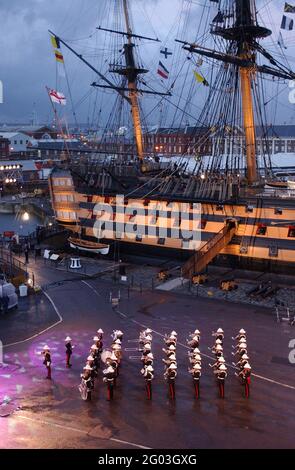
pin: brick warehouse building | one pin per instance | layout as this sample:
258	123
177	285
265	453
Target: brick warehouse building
201	140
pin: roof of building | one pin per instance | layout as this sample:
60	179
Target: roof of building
61	145
10	135
26	127
283	131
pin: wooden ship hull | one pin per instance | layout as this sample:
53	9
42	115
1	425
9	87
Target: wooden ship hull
264	233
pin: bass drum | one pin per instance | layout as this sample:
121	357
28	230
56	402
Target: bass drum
105	355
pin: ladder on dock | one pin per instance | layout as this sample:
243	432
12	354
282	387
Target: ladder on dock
200	260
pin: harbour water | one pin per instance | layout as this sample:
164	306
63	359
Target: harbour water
12	222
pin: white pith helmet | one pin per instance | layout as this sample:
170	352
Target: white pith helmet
148	330
196	351
150	355
218	341
242	340
147	346
68	339
117	341
221	360
172	366
242	331
245	357
149	337
100	331
223	367
219	347
243	345
220	330
173	333
197	367
172	347
87	367
90	358
95	338
46	348
247	366
197	332
94	347
119	332
196	357
196	338
172	357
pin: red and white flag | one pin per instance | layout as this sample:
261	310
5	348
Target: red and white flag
57	97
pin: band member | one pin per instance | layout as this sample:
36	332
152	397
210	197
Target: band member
69	351
47	361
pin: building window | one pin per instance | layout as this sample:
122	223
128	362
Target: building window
291	232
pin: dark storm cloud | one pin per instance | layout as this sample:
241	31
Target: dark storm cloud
27	63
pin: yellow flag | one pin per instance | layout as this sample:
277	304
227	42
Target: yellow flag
200	78
55	42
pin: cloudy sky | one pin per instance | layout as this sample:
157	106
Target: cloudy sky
27	63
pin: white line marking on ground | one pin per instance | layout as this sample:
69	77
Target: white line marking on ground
130	443
80	431
43	331
266	379
92	288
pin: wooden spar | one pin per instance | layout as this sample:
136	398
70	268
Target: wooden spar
132	86
249	124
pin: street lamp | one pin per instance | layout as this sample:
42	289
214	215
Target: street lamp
26	216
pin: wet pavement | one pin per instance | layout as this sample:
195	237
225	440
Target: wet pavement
48	414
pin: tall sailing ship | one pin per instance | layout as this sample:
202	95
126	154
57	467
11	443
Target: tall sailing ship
231	198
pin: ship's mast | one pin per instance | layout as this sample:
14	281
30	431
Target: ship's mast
244	19
243	33
131	74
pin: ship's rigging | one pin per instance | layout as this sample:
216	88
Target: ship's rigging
236	101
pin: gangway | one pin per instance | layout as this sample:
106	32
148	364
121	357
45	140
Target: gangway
200	260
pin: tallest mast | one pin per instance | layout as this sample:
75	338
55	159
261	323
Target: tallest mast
131	73
244	33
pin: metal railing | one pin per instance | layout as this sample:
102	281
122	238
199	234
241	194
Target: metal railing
10	265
